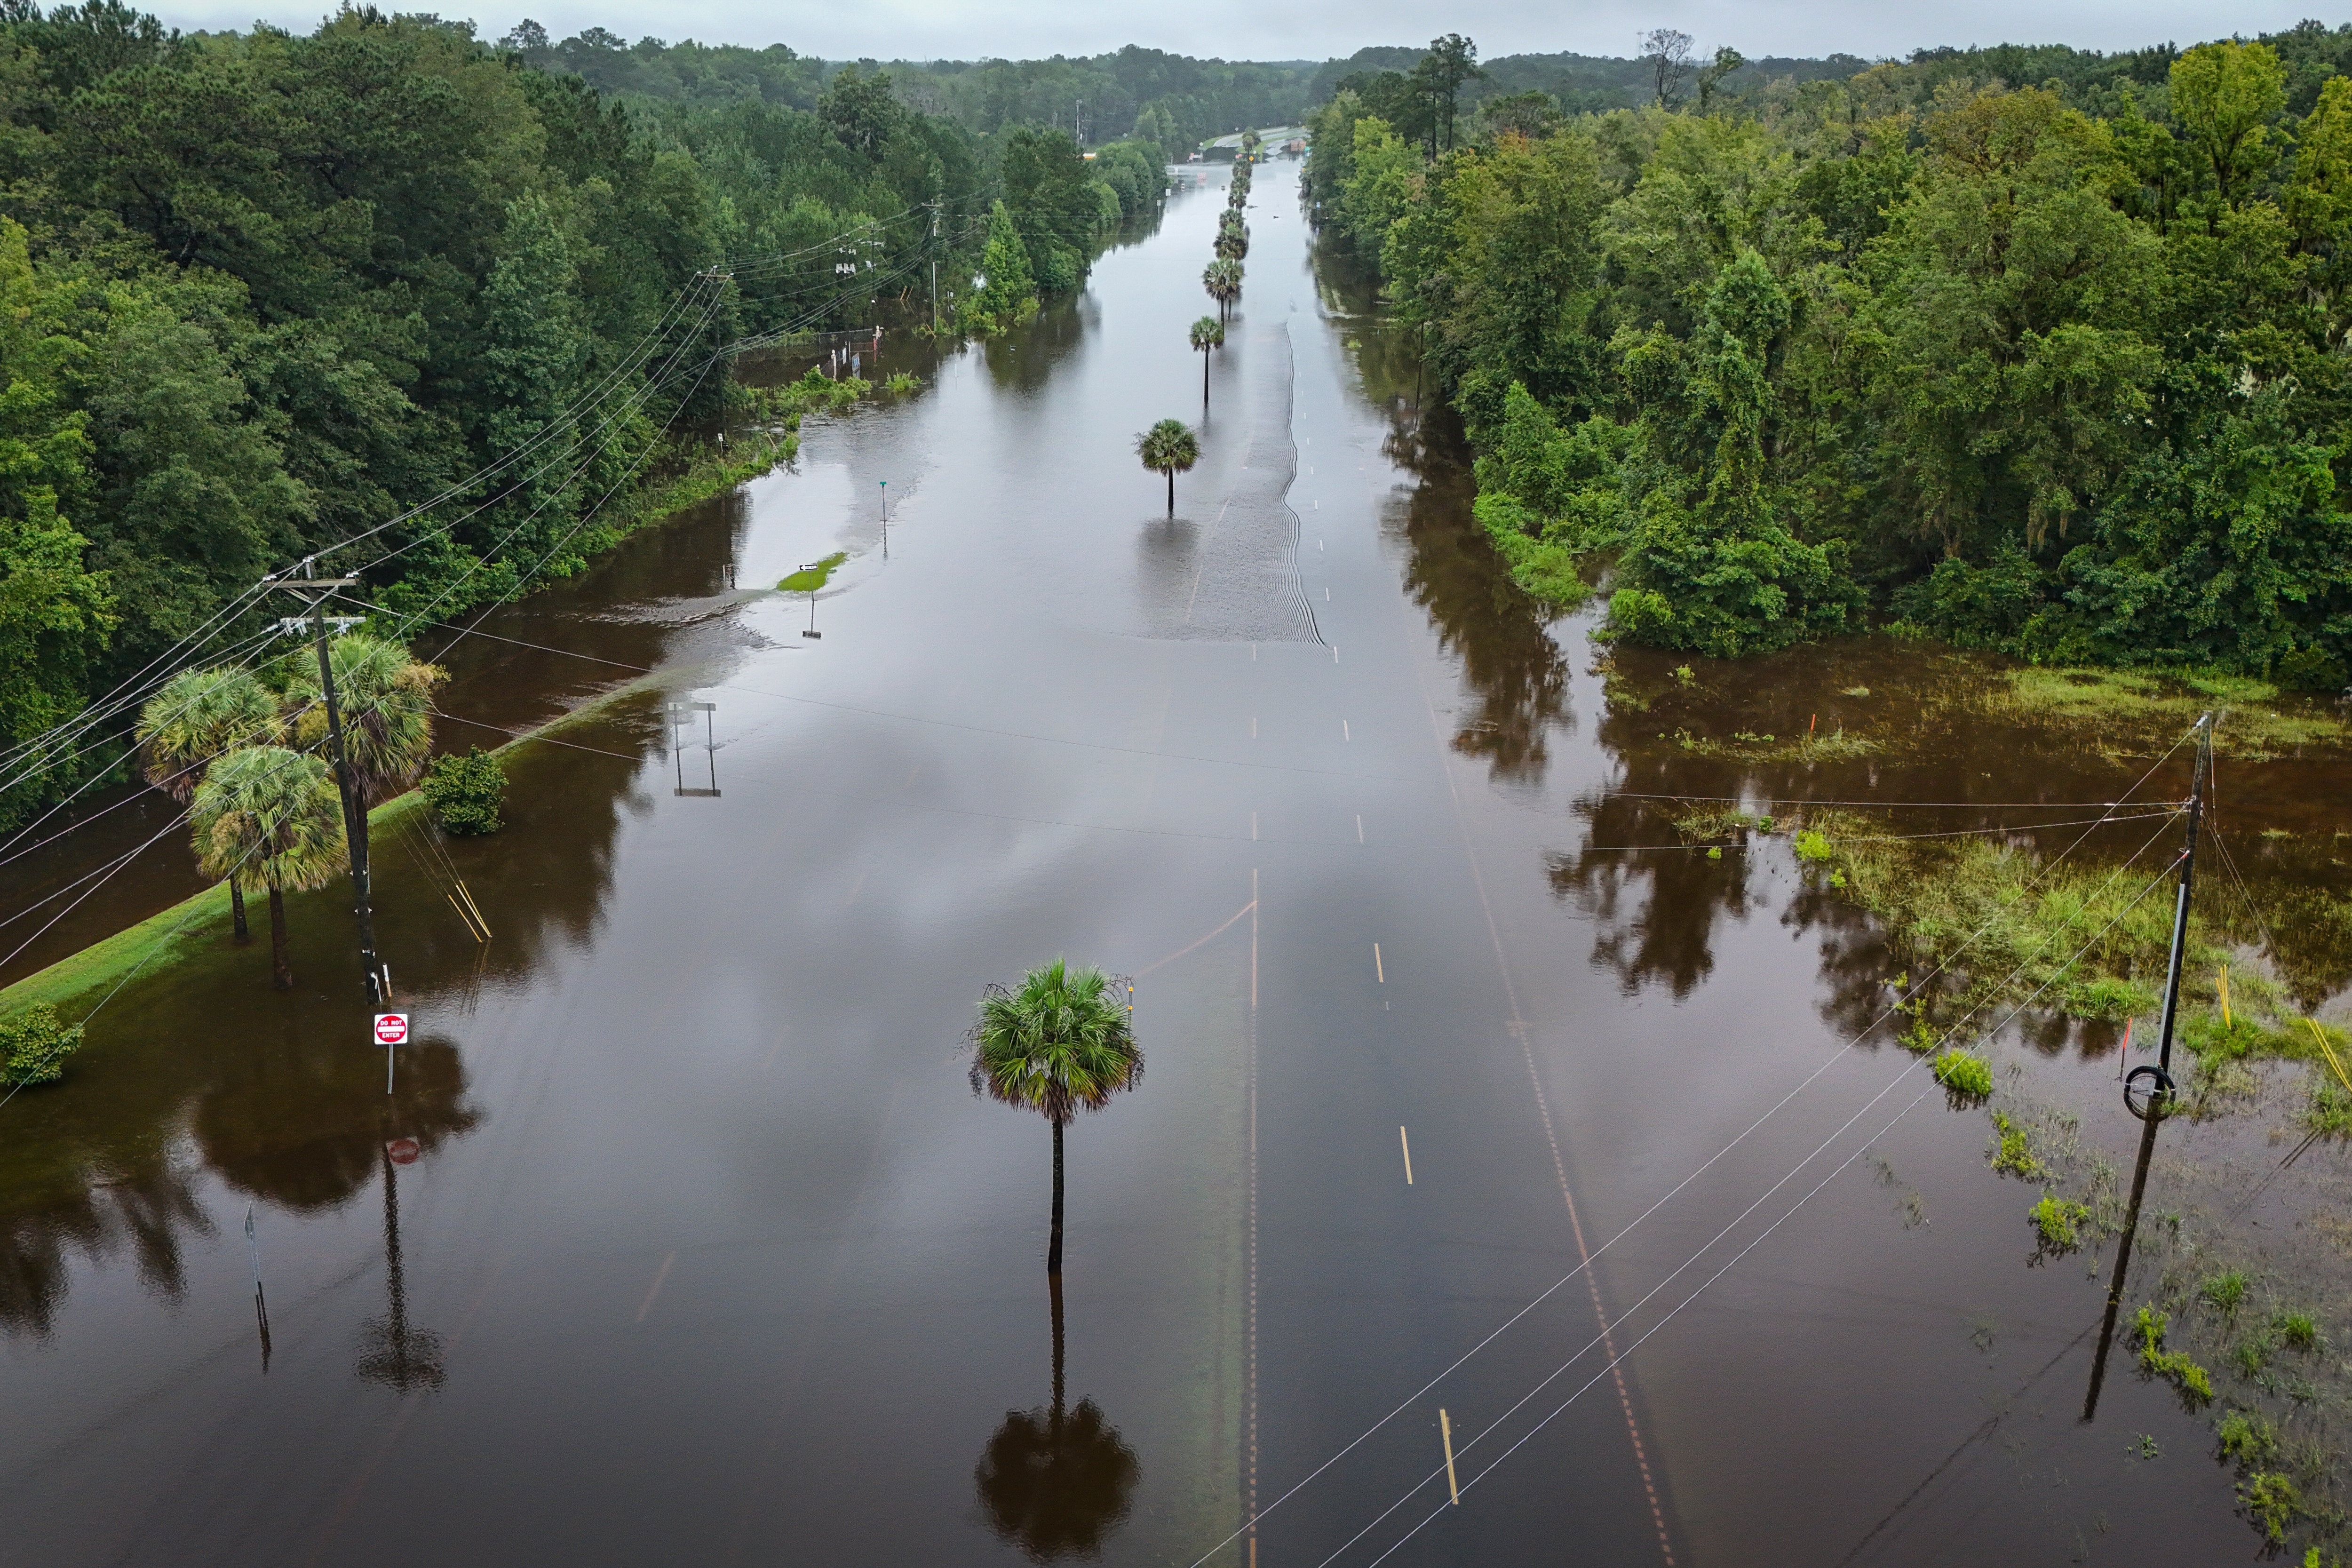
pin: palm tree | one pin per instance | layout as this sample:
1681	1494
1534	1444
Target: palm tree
1222	280
385	699
1208	332
1060	1044
1169	448
195	717
268	818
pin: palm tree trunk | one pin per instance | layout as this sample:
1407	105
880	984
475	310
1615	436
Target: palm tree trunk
237	912
1054	1246
282	971
1204	378
1057	1127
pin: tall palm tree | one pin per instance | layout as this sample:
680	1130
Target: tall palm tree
385	699
1169	448
268	818
1208	332
1060	1044
195	717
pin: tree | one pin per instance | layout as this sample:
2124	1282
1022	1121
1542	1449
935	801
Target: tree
860	111
34	1046
199	716
385	699
1059	1043
1451	61
1222	280
1726	60
267	817
1169	448
1007	292
2225	95
1668	50
1208	332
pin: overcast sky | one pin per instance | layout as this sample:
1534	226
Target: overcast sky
1252	29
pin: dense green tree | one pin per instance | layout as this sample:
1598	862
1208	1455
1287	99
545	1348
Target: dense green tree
197	717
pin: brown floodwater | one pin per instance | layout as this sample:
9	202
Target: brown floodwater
683	1238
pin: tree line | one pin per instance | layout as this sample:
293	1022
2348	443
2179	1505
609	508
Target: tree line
2037	351
265	293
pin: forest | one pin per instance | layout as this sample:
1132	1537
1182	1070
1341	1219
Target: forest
267	292
2032	349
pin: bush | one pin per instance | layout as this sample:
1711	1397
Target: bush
2058	1220
1964	1072
465	793
34	1045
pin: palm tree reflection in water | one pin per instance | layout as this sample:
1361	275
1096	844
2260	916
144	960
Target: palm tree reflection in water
1053	1482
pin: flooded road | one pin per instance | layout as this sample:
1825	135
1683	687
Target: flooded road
684	1239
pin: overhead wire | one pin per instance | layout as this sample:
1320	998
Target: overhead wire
1831	1058
1860	1149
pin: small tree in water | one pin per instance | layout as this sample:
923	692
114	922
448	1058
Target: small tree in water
1058	1043
269	818
1169	448
34	1045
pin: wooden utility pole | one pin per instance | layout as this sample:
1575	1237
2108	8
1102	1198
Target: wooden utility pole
318	590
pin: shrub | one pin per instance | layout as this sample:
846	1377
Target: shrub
465	793
34	1045
2271	1502
2247	1440
1964	1072
1813	845
2010	1156
2195	1385
2057	1220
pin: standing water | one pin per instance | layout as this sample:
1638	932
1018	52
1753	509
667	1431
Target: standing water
684	1239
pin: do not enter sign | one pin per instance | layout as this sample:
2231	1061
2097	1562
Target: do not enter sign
403	1150
391	1028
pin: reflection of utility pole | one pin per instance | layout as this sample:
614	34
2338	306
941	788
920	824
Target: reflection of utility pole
2123	1260
318	590
403	1359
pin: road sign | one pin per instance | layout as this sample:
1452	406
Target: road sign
392	1028
403	1150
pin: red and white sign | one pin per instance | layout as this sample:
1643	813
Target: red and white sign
403	1150
392	1028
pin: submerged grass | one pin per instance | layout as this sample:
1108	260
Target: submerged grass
812	577
2258	720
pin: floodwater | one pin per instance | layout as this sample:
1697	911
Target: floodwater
683	1238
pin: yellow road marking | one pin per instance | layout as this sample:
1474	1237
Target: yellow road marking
1379	972
1406	1144
1445	1427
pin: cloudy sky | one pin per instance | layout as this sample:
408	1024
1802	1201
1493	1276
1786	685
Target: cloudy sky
1253	29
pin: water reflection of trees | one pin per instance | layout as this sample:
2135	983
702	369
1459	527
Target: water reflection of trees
1654	910
281	1096
1055	1481
1509	661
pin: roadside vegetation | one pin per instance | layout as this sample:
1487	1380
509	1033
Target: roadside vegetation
421	258
2029	351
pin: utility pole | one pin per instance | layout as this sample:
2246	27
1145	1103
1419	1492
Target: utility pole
935	268
2160	1074
319	590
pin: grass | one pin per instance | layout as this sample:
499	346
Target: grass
2010	1155
78	981
2256	721
812	577
2193	1382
